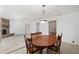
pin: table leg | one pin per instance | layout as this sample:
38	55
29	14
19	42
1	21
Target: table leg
41	51
47	50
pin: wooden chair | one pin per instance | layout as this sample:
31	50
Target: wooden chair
36	35
56	47
29	47
39	34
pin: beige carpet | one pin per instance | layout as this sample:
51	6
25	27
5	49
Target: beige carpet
66	48
16	45
11	44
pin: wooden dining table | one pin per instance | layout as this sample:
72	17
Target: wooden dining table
44	41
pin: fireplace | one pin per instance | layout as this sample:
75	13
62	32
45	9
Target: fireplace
4	32
4	27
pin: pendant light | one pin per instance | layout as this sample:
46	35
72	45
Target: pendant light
43	11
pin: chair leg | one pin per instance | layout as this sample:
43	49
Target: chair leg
27	51
40	51
47	50
59	52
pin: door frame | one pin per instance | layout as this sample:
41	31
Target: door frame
49	25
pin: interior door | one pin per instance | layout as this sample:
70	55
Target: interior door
52	27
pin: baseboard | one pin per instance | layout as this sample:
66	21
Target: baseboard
18	34
70	43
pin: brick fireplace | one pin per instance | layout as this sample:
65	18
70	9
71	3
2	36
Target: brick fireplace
5	31
4	27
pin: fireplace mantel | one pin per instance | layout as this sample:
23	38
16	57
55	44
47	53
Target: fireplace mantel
5	26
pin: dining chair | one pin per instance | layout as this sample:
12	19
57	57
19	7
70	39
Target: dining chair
36	35
56	47
39	34
29	47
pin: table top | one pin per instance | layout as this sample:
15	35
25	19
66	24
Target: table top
44	40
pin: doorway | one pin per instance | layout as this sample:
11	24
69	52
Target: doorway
52	27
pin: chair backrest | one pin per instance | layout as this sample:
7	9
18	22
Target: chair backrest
33	35
36	35
59	40
28	43
53	34
39	34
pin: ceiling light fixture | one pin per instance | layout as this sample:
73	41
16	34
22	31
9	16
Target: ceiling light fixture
43	11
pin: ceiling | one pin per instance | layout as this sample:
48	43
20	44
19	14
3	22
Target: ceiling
34	12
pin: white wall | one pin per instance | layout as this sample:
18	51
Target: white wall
0	31
32	26
69	26
17	26
44	28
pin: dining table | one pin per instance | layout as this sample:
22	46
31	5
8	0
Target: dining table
44	41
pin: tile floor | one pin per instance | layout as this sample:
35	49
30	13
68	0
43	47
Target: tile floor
16	45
